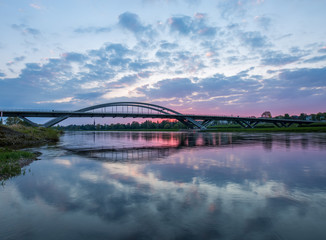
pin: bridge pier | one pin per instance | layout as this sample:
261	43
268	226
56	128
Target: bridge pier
246	124
29	121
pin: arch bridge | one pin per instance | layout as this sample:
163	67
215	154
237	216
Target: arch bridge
143	110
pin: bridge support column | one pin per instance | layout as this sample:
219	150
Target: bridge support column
29	121
254	125
207	123
55	121
246	124
287	125
277	125
195	123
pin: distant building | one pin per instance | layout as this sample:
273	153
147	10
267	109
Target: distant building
266	114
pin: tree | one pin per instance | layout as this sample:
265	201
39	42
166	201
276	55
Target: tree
167	126
319	116
313	117
135	125
286	116
266	114
303	116
13	121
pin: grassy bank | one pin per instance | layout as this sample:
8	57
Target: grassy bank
18	136
12	161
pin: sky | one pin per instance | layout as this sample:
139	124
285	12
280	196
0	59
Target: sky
217	57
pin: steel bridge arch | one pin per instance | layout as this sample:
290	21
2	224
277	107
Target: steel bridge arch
164	110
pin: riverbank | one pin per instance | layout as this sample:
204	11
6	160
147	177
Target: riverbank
19	136
12	162
295	129
16	137
222	129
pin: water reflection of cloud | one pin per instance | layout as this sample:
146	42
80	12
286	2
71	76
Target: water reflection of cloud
63	162
128	199
194	193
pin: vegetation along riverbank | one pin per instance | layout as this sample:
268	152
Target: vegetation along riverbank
177	126
18	136
320	127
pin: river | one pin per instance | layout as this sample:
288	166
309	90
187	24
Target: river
170	185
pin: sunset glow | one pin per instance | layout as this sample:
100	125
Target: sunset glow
225	57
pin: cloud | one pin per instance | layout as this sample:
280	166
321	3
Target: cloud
74	57
162	54
141	65
2	74
193	2
26	30
304	85
61	100
186	25
96	30
263	21
16	60
274	58
89	95
77	75
117	49
125	81
304	77
181	24
297	50
19	59
168	46
167	88
35	6
254	39
285	36
131	22
316	59
119	62
322	50
207	89
231	8
109	56
220	85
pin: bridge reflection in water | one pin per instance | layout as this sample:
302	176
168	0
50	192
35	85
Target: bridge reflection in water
158	145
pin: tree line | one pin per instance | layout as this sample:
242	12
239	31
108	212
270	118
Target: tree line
303	116
165	124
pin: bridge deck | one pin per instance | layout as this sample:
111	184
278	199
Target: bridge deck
55	114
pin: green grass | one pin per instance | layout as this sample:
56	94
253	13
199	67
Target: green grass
38	133
9	162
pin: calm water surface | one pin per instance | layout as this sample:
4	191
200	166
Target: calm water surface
142	185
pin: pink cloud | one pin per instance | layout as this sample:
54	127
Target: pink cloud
199	15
